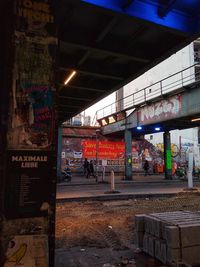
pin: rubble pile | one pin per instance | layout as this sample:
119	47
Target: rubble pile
170	237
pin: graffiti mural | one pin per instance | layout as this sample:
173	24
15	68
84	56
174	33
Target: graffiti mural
162	110
110	153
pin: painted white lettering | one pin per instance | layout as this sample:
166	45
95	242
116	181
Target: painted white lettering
158	109
144	114
14	158
167	106
151	111
175	106
29	165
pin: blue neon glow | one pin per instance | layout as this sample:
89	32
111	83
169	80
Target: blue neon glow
157	129
139	127
184	19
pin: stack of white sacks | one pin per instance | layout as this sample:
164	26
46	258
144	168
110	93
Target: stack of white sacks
169	236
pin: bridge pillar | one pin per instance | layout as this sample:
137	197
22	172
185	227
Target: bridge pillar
167	155
128	155
28	133
59	152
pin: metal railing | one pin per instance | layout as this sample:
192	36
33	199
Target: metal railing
167	85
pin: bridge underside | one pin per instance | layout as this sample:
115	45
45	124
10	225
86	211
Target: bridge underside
175	124
178	111
109	43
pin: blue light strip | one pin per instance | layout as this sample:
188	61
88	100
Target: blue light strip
149	12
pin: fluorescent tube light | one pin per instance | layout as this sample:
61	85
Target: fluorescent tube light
197	119
70	77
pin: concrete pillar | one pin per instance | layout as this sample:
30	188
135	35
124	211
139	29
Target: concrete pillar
59	152
28	135
128	154
6	56
167	155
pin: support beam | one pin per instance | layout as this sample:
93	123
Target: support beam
148	11
99	38
84	58
128	154
165	9
91	73
103	51
108	28
126	4
86	88
167	155
59	152
66	112
68	105
76	98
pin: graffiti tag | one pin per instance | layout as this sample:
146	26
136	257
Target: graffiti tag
159	111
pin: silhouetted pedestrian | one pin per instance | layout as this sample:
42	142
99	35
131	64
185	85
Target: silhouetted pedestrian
92	168
86	166
146	168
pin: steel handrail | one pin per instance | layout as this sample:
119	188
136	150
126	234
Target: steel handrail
144	95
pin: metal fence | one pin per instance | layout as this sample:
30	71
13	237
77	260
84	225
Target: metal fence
172	83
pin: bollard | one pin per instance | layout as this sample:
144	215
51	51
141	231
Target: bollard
190	170
103	174
112	181
112	184
190	179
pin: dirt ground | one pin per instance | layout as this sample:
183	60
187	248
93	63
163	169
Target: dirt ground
95	233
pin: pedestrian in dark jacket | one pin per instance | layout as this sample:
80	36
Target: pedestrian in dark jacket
92	168
86	166
146	168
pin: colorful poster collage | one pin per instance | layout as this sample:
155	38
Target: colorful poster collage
29	212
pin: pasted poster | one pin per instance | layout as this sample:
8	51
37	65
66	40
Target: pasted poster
76	149
174	149
105	149
27	250
196	158
32	120
29	185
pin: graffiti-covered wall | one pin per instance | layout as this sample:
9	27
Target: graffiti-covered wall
81	142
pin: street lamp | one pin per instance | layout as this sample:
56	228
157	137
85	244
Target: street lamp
97	148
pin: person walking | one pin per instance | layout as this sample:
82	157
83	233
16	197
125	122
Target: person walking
146	168
92	168
86	166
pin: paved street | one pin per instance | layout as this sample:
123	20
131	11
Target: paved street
81	188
